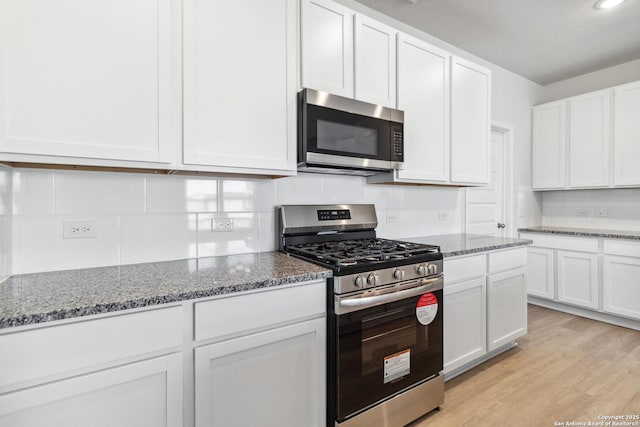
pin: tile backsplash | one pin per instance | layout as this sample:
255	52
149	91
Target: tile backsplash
146	218
611	209
5	221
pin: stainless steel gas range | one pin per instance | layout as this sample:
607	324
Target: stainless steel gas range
384	315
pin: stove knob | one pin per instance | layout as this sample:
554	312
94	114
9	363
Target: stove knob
398	274
422	270
373	279
432	268
359	281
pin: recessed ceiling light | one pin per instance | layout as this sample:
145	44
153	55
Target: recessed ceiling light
607	4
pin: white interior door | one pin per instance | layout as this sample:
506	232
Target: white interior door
486	207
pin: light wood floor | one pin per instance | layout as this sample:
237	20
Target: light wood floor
566	368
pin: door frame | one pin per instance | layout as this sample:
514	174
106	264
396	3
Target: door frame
509	187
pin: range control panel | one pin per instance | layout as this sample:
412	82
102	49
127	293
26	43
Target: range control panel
333	214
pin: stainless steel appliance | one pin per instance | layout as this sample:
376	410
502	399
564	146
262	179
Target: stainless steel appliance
384	315
342	135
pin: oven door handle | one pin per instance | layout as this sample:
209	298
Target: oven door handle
348	305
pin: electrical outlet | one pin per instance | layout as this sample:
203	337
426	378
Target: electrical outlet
392	218
583	212
221	225
443	215
79	230
602	213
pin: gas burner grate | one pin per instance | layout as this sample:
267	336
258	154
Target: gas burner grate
362	251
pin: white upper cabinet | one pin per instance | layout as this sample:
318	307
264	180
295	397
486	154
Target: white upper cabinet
626	131
240	85
549	145
375	62
446	104
423	95
327	47
88	79
470	122
589	140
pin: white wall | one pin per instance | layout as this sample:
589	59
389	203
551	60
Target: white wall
144	217
601	79
621	206
512	99
5	221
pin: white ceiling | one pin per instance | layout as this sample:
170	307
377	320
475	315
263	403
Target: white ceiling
543	40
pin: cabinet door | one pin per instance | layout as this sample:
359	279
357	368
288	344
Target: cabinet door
147	393
239	84
375	62
589	140
540	272
465	323
270	379
621	285
89	79
423	95
578	278
549	145
470	122
506	307
626	131
327	47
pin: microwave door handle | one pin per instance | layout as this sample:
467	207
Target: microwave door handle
356	303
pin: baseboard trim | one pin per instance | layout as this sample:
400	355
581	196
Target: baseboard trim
584	312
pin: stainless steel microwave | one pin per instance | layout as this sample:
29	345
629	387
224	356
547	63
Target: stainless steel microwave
342	135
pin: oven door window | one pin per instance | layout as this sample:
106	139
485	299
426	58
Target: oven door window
383	350
345	134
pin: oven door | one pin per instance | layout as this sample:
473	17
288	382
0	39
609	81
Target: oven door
386	343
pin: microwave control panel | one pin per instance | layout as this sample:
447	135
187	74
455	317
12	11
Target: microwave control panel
397	145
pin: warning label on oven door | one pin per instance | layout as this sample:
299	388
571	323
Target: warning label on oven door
397	365
427	308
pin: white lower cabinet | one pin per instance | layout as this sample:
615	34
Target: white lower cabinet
274	378
464	323
621	286
485	300
506	307
260	360
578	278
147	393
594	277
540	272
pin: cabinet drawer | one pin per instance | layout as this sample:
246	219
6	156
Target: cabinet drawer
72	347
624	248
581	244
233	315
507	260
462	268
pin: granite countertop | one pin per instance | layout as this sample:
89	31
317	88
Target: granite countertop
463	244
584	232
43	297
